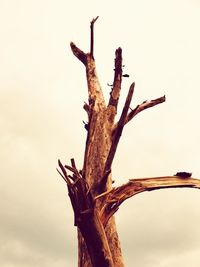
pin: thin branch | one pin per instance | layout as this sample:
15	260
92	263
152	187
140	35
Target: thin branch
70	168
122	119
79	53
64	173
73	163
76	172
117	135
118	195
92	36
115	92
143	106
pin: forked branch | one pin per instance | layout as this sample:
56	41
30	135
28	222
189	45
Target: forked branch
143	106
118	195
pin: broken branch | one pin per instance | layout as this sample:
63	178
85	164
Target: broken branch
79	53
64	173
92	36
86	217
115	92
118	195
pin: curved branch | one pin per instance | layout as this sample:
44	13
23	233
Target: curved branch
143	106
135	186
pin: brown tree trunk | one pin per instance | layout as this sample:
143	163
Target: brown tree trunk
98	145
114	244
93	198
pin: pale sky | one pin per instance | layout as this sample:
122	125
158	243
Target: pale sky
42	91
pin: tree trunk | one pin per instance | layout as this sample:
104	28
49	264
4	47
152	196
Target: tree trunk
114	244
98	145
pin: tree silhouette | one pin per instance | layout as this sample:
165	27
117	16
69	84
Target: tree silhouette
94	199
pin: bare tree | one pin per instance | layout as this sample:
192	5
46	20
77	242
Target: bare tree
93	198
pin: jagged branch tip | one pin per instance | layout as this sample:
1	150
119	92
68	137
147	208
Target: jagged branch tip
92	36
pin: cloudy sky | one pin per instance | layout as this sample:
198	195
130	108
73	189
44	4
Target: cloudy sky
42	91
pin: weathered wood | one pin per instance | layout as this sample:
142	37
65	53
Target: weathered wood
98	143
117	132
87	218
102	139
92	196
115	197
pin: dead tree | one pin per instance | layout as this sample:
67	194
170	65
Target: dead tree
93	198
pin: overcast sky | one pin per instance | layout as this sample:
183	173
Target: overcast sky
42	91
